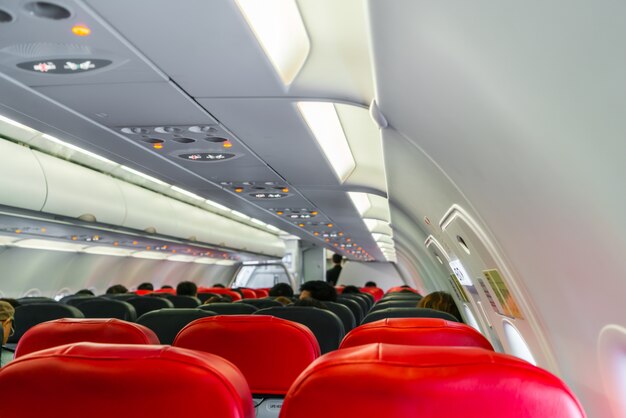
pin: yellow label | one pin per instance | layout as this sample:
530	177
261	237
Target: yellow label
509	306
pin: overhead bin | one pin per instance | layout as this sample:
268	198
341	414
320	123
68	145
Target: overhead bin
22	181
33	180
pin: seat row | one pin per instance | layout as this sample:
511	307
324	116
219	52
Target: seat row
409	367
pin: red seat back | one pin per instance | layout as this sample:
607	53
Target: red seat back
74	330
270	352
248	293
119	380
221	291
374	291
400	289
385	380
416	331
262	293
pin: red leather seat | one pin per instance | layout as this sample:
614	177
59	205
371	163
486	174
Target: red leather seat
248	293
385	380
262	293
416	331
400	289
221	291
73	330
270	352
374	291
118	380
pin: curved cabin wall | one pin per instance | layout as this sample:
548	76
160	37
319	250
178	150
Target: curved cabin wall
36	181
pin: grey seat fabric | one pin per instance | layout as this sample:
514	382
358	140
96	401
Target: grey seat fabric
344	313
74	300
35	299
354	306
362	302
167	323
230	308
406	303
182	301
261	303
325	325
120	296
107	308
144	304
400	296
31	314
408	313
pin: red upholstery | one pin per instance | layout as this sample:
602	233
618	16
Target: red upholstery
262	293
168	291
270	352
248	293
374	291
385	380
142	292
117	380
339	289
74	330
416	331
221	291
400	289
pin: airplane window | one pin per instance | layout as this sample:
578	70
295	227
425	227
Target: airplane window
612	357
261	276
518	346
471	319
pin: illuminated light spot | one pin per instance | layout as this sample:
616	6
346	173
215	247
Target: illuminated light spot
135	242
348	239
157	146
81	30
327	240
148	248
238	189
336	245
227	144
329	225
280	212
173	251
285	190
74	237
340	234
301	225
314	213
316	233
18	231
96	237
43	229
115	243
164	247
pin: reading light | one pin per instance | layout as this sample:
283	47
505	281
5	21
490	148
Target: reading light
278	27
81	30
323	121
361	202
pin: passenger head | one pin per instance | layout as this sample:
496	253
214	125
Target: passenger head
116	289
84	292
314	303
440	301
337	258
145	286
7	312
350	289
187	289
319	290
221	286
283	300
166	286
370	284
281	289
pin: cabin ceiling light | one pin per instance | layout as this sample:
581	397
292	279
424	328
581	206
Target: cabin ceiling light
273	228
225	262
361	202
239	214
150	255
5	240
205	260
186	193
119	252
77	149
279	29
17	124
217	205
42	244
258	222
182	258
322	119
144	176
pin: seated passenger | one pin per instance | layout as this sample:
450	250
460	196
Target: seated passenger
350	289
318	289
281	289
116	289
7	312
85	292
166	286
187	289
283	300
221	286
145	286
440	301
370	284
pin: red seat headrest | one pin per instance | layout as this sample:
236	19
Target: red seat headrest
221	291
270	352
122	380
397	289
374	291
73	330
416	331
386	380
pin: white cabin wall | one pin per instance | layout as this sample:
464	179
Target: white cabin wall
357	273
51	271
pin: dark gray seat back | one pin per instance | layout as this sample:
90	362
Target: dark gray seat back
144	304
408	303
344	313
35	299
182	301
167	323
31	314
325	325
107	308
230	308
354	306
261	303
408	313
